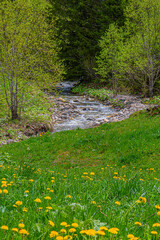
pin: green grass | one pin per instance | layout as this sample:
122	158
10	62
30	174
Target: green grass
35	111
100	93
84	172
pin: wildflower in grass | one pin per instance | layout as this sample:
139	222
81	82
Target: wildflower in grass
158	213
143	199
63	231
130	236
5	191
83	232
100	233
154	232
18	203
68	196
37	200
113	230
25	209
72	230
14	229
52	181
157	207
115	173
67	226
26	191
156	225
59	238
47	198
51	223
21	225
118	203
23	231
63	224
14	205
103	228
31	180
138	223
75	225
0	191
91	232
53	234
49	208
92	173
93	202
40	208
51	191
4	227
68	237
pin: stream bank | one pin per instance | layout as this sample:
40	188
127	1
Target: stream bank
69	111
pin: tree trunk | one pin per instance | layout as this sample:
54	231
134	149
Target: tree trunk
14	113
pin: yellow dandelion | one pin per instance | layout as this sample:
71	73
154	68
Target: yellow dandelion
158	213
51	223
91	232
37	200
26	191
154	232
0	191
75	225
156	225
40	208
59	238
5	191
93	202
25	209
100	233
68	196
14	229
18	203
49	208
103	228
118	203
157	207
113	230
72	230
68	237
92	173
21	225
143	199
130	236
4	227
31	180
83	232
138	223
53	234
63	224
47	198
63	231
23	231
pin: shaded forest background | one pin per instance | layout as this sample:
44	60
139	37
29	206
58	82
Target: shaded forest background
114	42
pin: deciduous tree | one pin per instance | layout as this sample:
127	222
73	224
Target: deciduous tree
27	53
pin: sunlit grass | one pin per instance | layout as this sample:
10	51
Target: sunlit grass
109	196
108	176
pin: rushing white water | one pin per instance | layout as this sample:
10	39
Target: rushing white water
91	112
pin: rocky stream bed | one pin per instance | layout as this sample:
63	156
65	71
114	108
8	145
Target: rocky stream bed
72	111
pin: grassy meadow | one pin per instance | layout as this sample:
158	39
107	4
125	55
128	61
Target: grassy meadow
97	183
